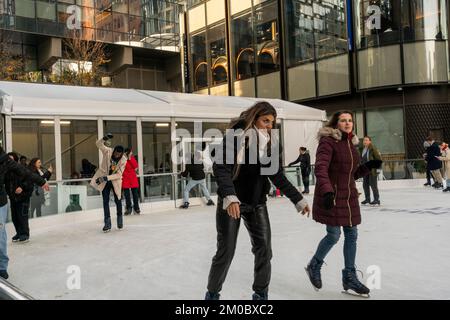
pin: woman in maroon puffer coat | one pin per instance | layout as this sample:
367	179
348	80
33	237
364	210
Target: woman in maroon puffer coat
336	198
130	182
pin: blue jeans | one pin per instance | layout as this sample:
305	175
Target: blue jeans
332	237
192	183
3	238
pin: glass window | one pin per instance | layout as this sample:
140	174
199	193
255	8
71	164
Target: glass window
156	144
198	61
243	47
46	10
299	20
120	22
35	139
424	20
379	22
124	133
218	55
330	28
25	8
2	132
266	27
87	17
385	127
120	6
78	150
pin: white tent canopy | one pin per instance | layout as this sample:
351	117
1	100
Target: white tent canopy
26	99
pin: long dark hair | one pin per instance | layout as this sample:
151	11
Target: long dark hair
335	118
249	116
32	164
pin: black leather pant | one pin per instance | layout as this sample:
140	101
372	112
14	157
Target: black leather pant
256	221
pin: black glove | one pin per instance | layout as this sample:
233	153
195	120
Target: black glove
373	164
328	201
108	137
100	180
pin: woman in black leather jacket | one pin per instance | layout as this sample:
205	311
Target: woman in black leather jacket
242	188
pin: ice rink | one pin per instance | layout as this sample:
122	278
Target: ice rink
167	255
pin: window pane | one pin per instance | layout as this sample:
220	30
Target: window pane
124	133
218	55
35	139
243	47
25	8
267	38
378	22
46	10
198	61
424	20
156	144
300	18
78	150
385	126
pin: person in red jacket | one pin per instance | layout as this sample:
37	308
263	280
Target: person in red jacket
130	182
336	198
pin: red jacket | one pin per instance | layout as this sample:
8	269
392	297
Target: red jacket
337	167
129	178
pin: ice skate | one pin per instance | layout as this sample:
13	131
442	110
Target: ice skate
352	286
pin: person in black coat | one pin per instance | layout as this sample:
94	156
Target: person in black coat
434	164
196	171
305	167
38	197
8	165
19	189
242	173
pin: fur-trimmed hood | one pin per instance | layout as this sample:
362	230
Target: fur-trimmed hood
336	134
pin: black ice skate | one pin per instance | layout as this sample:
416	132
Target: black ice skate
352	285
119	222
375	203
212	296
107	226
260	296
313	272
365	202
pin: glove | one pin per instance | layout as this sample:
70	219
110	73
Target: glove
100	180
108	137
328	200
373	164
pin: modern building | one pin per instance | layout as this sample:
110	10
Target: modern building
386	60
141	37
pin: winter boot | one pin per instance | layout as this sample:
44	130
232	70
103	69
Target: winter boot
313	271
119	221
107	226
260	296
350	282
212	296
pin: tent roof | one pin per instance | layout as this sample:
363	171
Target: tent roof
61	100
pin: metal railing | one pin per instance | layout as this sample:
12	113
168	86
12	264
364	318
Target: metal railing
11	292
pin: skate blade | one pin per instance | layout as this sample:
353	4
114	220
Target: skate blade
354	294
315	288
106	231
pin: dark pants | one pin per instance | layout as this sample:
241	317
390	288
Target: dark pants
35	206
105	193
429	176
135	194
19	215
258	226
369	182
305	179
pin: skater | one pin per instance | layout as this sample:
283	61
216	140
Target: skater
434	164
371	180
7	165
109	176
445	158
305	167
38	196
130	183
19	190
242	190
336	197
427	143
195	170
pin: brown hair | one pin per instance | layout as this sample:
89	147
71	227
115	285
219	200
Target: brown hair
249	116
335	118
370	139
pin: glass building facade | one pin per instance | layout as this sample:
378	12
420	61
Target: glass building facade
384	59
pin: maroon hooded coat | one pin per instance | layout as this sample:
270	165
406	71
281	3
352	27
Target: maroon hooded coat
337	167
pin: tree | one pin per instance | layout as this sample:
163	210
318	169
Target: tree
84	61
11	64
